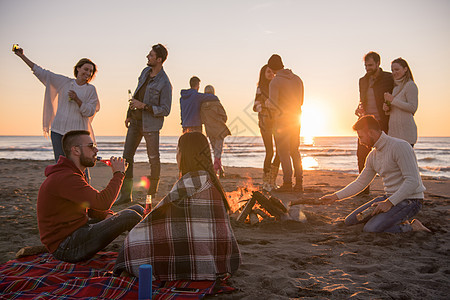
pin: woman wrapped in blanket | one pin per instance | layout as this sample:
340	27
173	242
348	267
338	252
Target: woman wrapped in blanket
69	103
188	234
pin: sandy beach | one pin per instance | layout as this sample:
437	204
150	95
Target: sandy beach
318	259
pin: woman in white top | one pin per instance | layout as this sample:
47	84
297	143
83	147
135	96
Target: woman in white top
69	103
402	104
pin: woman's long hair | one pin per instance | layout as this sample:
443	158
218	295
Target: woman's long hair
263	82
195	155
404	64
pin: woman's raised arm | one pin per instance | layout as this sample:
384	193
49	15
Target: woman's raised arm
19	53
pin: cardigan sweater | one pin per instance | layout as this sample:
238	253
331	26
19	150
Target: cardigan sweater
394	160
60	114
403	107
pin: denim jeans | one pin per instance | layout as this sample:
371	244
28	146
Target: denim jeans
217	147
267	137
87	240
57	145
287	140
391	221
58	151
132	141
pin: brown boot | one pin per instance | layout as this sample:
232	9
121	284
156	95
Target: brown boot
298	188
273	176
266	182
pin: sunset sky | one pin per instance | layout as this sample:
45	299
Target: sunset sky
225	43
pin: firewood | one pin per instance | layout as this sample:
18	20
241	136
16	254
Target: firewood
267	205
247	209
261	213
277	203
253	217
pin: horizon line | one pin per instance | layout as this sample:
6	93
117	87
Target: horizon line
303	136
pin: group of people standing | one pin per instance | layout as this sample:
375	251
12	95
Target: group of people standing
192	237
188	234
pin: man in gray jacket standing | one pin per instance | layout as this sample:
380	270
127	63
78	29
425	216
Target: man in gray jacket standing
151	102
285	102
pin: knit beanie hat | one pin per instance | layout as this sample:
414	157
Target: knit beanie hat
275	62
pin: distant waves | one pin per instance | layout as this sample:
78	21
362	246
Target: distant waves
320	153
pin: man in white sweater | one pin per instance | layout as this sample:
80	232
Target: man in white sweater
394	160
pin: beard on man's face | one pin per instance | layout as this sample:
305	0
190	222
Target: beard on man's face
87	161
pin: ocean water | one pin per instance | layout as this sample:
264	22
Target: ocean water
319	153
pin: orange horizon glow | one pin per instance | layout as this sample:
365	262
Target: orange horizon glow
327	57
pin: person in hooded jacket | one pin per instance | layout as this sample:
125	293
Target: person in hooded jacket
190	104
285	103
75	220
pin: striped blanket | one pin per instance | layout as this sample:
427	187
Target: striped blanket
44	277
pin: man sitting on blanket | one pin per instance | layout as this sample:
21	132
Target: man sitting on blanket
74	219
188	234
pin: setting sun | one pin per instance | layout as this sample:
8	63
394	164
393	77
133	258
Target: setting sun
314	119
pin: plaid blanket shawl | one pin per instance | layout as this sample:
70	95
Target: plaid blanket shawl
187	236
44	277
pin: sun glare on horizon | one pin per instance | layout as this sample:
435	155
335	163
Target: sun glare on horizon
313	120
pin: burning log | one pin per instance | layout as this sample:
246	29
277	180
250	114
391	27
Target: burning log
253	217
277	203
261	213
247	209
270	206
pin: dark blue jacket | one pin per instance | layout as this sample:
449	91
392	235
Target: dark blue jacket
190	103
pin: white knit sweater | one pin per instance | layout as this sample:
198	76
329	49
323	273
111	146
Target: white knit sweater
60	114
395	161
403	108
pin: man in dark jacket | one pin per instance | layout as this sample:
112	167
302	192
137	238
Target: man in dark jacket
285	102
372	87
75	220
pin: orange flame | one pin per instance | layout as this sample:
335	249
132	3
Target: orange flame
238	198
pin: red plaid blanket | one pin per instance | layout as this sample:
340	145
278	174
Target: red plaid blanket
44	277
188	235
